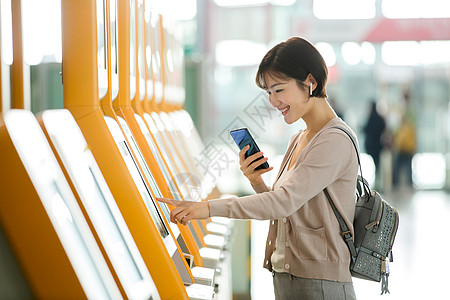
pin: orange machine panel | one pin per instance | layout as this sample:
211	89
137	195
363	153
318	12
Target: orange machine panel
80	76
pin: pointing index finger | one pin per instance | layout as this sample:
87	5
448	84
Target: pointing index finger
167	201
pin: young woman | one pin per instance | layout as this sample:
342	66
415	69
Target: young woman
305	250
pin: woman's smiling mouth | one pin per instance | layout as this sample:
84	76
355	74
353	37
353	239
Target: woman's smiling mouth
284	111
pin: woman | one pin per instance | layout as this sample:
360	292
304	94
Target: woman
305	250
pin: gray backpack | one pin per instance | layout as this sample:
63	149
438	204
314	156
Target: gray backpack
375	225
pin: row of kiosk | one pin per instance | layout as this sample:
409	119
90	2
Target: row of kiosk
78	185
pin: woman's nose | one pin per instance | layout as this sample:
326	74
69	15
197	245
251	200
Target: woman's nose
272	100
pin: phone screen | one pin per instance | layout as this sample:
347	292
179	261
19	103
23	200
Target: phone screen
242	137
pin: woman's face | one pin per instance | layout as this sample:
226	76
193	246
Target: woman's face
286	96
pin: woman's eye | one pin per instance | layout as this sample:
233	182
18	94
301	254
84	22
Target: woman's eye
278	91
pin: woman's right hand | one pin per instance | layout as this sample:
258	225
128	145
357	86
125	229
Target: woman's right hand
249	164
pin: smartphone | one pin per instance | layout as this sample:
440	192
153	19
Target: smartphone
242	137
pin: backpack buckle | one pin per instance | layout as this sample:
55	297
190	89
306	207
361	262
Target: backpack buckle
346	233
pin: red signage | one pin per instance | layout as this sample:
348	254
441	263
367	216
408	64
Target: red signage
409	30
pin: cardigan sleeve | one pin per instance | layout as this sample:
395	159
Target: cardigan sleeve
260	188
327	158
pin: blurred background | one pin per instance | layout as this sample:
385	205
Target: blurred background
389	79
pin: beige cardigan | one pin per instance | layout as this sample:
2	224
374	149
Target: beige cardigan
314	245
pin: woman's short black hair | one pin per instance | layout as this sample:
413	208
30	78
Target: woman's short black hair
294	58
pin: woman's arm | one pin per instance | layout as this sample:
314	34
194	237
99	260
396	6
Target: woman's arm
327	159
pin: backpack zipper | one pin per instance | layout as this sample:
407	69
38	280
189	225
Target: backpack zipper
378	219
395	233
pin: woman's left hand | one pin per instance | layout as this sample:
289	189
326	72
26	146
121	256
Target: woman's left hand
185	211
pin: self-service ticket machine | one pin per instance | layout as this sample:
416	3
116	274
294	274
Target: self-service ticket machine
146	194
195	291
98	205
42	220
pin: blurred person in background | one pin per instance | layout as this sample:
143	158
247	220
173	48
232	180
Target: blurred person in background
404	142
373	143
404	149
304	250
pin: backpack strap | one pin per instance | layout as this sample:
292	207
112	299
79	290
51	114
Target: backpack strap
363	180
346	234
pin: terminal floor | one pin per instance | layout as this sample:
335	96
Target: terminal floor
421	267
